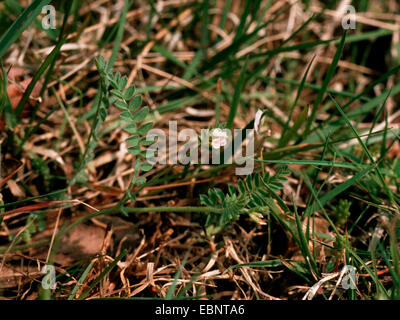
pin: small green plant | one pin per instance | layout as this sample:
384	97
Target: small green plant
115	92
342	212
251	197
34	223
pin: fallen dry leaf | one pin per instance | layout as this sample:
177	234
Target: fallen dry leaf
15	92
82	242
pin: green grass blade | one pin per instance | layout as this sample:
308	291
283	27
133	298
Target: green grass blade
293	130
325	84
23	21
304	243
314	163
103	274
262	264
284	139
369	271
371	159
169	55
339	189
315	87
224	15
3	89
53	55
372	103
236	97
120	33
80	281
171	289
204	37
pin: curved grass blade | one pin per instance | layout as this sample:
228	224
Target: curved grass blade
286	138
236	97
325	84
261	264
53	55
